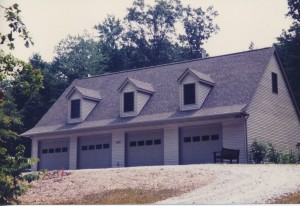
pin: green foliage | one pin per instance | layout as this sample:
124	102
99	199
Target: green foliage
148	35
263	152
32	176
199	27
12	183
16	25
259	151
79	56
288	47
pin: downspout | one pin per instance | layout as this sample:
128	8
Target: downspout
246	137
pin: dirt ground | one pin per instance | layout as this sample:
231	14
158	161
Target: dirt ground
185	184
82	184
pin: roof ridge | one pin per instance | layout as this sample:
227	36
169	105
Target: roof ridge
173	63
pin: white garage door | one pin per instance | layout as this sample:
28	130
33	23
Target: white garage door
144	148
54	154
198	143
94	152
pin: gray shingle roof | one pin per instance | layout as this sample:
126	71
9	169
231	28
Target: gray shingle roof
143	86
236	77
86	93
201	77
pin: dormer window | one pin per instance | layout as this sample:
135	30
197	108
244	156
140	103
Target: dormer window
189	94
75	108
134	95
81	102
194	87
128	101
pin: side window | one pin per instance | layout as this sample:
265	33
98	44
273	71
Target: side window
75	108
187	139
196	139
215	137
132	144
129	102
205	138
189	95
64	149
141	143
149	142
105	146
157	141
274	83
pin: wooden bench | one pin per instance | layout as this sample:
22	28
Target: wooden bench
227	154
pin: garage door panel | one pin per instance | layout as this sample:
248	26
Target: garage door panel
198	143
94	152
144	148
54	154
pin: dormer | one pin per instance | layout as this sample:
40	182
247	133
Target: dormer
194	87
81	102
134	95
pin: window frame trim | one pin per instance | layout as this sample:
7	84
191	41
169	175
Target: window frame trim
273	74
75	118
183	94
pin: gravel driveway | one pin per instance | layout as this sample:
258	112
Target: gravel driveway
195	184
243	184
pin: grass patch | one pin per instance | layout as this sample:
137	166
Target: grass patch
290	199
125	196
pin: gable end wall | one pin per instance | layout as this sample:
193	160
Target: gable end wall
273	117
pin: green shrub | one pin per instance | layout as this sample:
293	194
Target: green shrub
259	150
273	156
264	152
32	177
12	183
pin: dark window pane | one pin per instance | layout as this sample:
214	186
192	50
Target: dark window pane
187	139
91	147
75	108
274	83
215	137
64	149
149	142
196	139
157	141
105	146
189	94
57	150
44	151
99	146
84	148
51	150
132	144
141	143
205	138
128	101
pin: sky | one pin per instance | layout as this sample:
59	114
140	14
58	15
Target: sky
240	22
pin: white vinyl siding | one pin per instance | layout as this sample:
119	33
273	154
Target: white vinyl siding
73	153
118	149
234	136
171	145
34	152
141	100
273	117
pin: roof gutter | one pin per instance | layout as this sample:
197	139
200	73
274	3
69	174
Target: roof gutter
130	125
